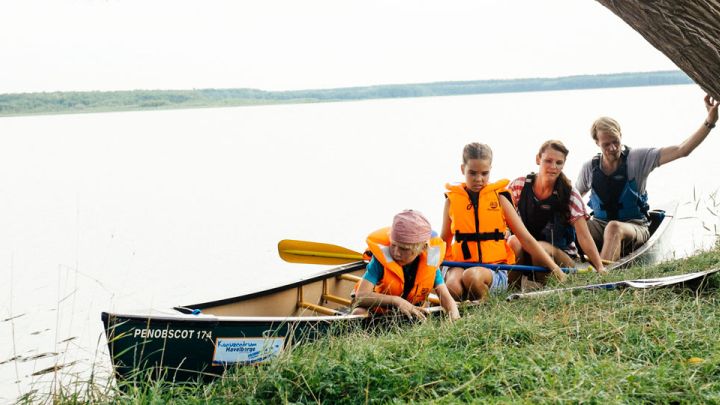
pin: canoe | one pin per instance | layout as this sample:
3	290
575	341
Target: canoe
201	340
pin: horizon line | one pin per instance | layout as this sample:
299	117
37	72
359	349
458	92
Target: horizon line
353	87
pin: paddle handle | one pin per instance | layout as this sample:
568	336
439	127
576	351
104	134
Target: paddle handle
535	294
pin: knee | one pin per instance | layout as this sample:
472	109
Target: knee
469	276
359	311
454	276
613	230
515	245
476	275
547	247
477	281
455	287
453	281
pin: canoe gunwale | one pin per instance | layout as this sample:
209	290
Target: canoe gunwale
213	319
335	271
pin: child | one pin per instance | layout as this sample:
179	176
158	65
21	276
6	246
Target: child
553	211
476	216
404	269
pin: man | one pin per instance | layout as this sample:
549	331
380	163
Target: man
617	178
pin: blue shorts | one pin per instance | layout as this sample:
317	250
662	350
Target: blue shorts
500	281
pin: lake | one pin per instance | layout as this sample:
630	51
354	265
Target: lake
133	210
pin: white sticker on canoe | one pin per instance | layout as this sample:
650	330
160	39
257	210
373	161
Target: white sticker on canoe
246	350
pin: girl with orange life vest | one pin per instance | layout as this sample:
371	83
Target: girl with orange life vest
404	268
476	216
553	212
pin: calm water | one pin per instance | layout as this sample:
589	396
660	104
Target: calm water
123	211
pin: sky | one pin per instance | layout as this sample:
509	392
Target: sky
63	45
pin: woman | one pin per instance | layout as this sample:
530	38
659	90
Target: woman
553	211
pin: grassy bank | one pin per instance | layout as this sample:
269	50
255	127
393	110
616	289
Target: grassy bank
656	346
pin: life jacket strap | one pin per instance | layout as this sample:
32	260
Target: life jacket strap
462	238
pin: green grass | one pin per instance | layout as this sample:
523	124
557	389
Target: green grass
621	346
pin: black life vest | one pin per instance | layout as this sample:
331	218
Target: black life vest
546	220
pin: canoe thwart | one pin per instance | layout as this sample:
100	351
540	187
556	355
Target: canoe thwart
319	308
336	299
434	299
350	277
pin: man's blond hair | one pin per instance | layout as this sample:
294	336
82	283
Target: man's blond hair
606	124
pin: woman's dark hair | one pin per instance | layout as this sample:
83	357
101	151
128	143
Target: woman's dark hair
565	187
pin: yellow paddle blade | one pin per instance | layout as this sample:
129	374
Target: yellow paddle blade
300	251
604	261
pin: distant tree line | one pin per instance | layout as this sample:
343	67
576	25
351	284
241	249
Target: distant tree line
96	101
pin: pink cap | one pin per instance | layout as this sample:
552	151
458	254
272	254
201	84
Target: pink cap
410	227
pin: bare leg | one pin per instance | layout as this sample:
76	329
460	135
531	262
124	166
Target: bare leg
515	277
453	281
515	245
616	233
561	258
477	282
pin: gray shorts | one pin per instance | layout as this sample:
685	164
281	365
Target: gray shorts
642	233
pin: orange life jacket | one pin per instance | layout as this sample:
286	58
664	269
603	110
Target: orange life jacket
393	281
484	223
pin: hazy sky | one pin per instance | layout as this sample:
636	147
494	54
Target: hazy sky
51	45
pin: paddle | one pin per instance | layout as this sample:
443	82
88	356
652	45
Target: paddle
298	251
604	261
641	283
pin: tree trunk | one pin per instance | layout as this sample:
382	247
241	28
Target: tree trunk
686	31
